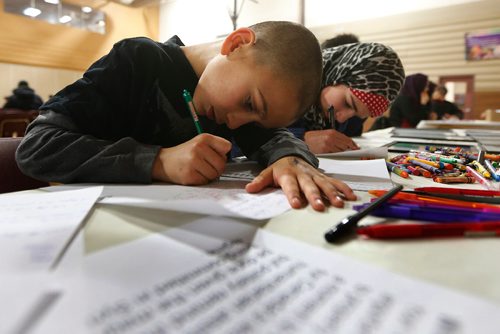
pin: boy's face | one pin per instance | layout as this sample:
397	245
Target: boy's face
234	91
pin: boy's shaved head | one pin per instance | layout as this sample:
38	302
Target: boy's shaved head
294	54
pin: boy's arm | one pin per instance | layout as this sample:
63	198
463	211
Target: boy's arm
53	151
269	145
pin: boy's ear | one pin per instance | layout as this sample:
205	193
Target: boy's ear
237	38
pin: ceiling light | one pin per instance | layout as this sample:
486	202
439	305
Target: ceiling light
32	11
65	19
54	2
86	9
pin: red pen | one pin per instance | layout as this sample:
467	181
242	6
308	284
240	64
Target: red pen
458	191
393	231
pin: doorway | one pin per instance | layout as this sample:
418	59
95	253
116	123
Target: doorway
461	92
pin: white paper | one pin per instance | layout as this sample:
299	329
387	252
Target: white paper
35	227
220	276
25	299
359	175
226	198
367	153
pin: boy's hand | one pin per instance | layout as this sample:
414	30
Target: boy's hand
328	141
197	161
296	177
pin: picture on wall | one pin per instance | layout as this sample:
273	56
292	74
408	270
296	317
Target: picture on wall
483	44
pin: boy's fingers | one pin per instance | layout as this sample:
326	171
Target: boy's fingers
218	144
261	181
291	188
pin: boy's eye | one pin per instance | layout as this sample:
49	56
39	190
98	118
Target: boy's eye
249	104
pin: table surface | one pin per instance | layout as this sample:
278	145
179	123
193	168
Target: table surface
469	265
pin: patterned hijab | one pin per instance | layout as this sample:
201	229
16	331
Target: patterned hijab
372	71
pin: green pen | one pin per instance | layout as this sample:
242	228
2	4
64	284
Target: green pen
192	109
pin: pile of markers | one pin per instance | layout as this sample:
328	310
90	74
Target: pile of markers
449	165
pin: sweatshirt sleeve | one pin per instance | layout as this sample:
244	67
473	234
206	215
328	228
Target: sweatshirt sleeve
54	151
269	145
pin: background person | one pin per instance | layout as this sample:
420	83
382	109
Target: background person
410	106
442	108
359	80
23	97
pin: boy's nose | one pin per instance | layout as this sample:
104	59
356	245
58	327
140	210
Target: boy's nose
235	120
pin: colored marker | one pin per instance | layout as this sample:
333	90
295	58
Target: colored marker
492	157
453	179
189	102
480	169
414	170
424	172
494	173
396	170
481	179
426	166
392	231
458	191
434	164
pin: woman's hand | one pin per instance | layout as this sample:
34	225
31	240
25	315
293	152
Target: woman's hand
328	141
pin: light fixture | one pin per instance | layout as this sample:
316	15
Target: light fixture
54	2
64	19
32	11
86	9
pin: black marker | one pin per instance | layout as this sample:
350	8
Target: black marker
348	225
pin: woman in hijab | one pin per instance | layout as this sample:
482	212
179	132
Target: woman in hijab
358	80
410	106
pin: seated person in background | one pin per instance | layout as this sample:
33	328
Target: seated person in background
23	97
431	86
126	120
410	106
443	109
353	127
358	80
340	39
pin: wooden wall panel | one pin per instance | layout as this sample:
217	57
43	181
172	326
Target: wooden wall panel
33	42
50	56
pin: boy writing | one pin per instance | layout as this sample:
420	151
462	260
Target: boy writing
126	120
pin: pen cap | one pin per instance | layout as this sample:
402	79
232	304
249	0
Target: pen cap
346	228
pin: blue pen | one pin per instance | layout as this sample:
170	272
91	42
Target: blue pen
409	211
493	172
189	102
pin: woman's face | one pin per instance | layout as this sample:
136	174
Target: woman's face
345	104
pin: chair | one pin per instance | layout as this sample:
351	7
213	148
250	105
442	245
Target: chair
11	178
13	122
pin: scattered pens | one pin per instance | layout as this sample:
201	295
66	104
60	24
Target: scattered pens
189	102
348	225
459	191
